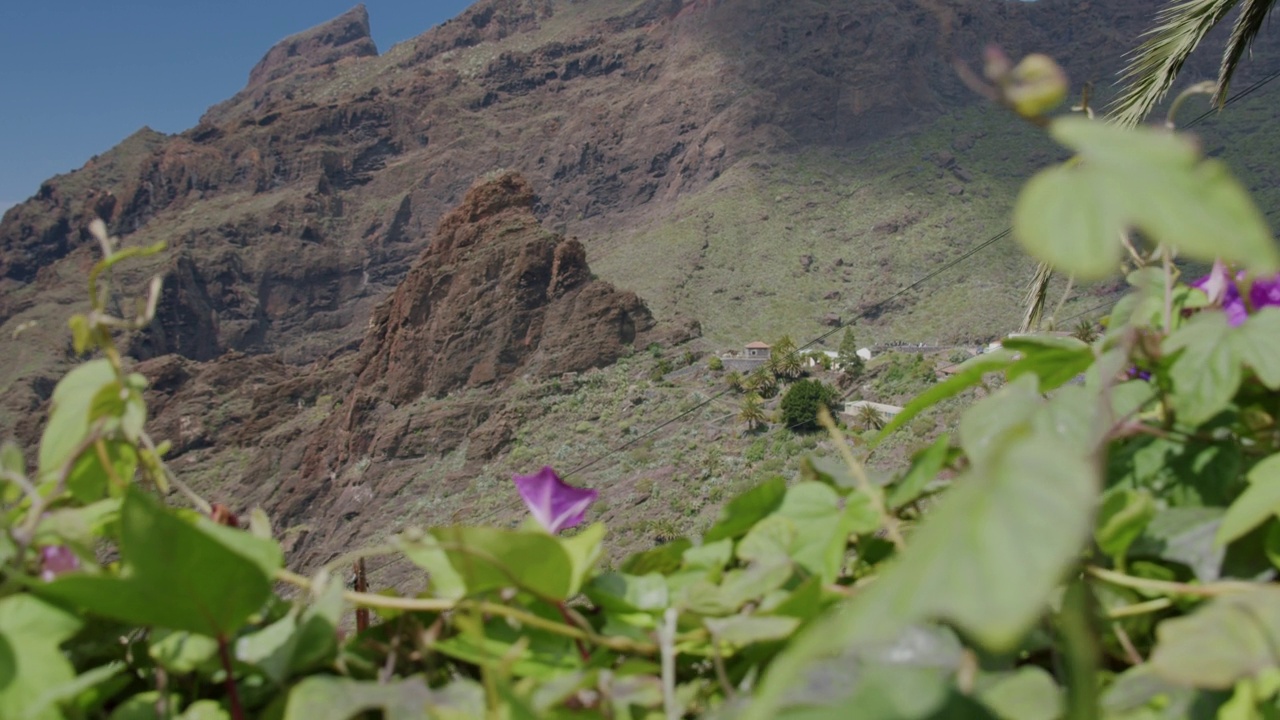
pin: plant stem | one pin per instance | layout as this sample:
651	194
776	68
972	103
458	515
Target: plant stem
617	644
667	641
873	493
1080	646
1172	588
1141	608
233	694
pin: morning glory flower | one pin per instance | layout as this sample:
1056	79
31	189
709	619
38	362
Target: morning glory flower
56	560
553	503
1265	292
1222	291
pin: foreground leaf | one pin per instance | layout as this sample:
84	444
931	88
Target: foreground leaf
178	572
30	660
1229	639
1260	501
332	698
970	562
1072	215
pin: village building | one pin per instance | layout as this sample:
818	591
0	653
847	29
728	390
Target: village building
753	356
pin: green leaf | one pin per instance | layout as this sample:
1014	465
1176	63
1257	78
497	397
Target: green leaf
969	374
969	562
524	652
909	675
1231	638
663	559
1121	519
491	559
821	528
1054	360
1206	372
770	539
740	513
271	649
583	549
81	336
318	628
1184	535
425	552
1028	693
143	706
1071	216
742	630
90	478
628	593
182	573
925	466
77	525
1260	501
1257	343
31	661
81	691
335	698
182	652
710	556
11	458
69	414
204	710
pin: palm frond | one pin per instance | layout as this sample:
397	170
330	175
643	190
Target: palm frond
1155	64
1248	25
1036	297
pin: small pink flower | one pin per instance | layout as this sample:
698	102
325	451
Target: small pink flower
56	560
554	504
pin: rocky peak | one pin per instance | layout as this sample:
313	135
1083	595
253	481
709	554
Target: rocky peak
492	295
346	36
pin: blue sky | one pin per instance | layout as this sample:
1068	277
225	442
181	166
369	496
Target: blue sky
76	77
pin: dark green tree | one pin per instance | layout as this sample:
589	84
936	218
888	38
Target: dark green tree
851	365
800	404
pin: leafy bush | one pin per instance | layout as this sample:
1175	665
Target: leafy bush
802	400
1100	541
715	364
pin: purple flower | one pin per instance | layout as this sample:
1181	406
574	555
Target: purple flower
56	560
1222	291
554	504
1265	292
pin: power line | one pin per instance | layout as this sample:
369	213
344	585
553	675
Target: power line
869	309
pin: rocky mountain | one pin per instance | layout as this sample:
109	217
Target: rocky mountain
336	296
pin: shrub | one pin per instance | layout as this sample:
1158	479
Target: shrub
801	402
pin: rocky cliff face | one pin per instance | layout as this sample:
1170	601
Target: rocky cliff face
494	296
295	205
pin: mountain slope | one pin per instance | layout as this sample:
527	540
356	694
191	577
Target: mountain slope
759	166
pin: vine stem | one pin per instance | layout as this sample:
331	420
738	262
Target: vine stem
233	693
1217	589
368	600
873	493
667	639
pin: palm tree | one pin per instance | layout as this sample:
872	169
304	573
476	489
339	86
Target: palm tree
1086	331
870	418
785	360
735	381
752	411
761	382
1156	63
1180	28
